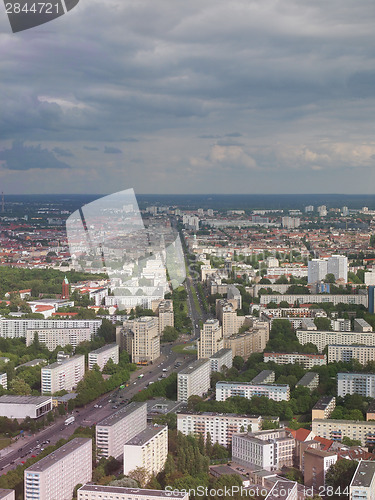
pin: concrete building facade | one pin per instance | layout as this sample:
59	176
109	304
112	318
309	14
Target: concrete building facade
102	355
21	407
306	360
194	379
277	392
63	375
98	492
211	339
220	359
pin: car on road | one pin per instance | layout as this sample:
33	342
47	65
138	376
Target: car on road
96	406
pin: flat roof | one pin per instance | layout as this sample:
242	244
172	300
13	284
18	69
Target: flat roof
141	438
63	361
33	362
120	414
24	400
228	382
193	366
323	402
4	493
132	491
104	348
216	414
281	490
221	353
163	406
307	378
261	376
364	474
57	455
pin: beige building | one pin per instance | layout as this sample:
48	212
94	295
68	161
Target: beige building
57	474
63	375
148	449
140	338
345	353
102	355
337	429
117	429
226	312
306	360
211	339
244	344
98	492
362	486
323	338
316	464
194	380
7	494
165	314
54	337
324	407
221	426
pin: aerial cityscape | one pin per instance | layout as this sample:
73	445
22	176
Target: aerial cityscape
187	250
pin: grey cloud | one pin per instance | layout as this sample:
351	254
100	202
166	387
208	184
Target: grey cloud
90	148
63	152
21	157
112	151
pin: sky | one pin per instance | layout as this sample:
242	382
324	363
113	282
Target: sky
205	96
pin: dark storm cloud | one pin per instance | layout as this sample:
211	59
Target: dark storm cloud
112	151
21	157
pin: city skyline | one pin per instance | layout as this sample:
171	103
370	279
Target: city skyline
220	98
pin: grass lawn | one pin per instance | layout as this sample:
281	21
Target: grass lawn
4	442
185	349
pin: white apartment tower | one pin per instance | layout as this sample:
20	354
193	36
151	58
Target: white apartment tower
102	355
317	270
194	379
211	339
56	475
63	375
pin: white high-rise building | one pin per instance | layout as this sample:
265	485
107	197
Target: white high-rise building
64	375
317	270
57	474
362	486
102	355
194	380
356	383
211	339
338	266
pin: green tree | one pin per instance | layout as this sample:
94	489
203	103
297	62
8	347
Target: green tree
339	476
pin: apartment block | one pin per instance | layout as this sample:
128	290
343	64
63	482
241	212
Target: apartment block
98	492
211	339
354	429
21	407
226	312
309	380
102	355
360	325
4	380
194	379
63	375
264	377
345	353
16	328
244	344
269	450
221	426
323	338
140	338
316	465
277	392
362	486
148	449
54	337
56	475
323	408
117	429
220	359
317	270
356	383
7	494
165	314
306	360
359	299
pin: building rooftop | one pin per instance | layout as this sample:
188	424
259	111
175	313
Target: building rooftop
4	493
263	375
33	362
23	400
323	402
133	491
63	362
163	406
120	414
215	414
320	453
364	474
281	490
228	382
221	353
194	366
308	378
144	436
57	455
103	349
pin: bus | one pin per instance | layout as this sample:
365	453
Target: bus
69	420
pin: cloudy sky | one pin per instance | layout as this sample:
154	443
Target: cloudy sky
204	96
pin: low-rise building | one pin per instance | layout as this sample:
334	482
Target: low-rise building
99	492
117	429
277	392
194	380
102	355
221	359
220	426
148	449
269	450
309	380
354	429
306	360
25	406
324	407
362	486
264	377
63	375
361	325
56	475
